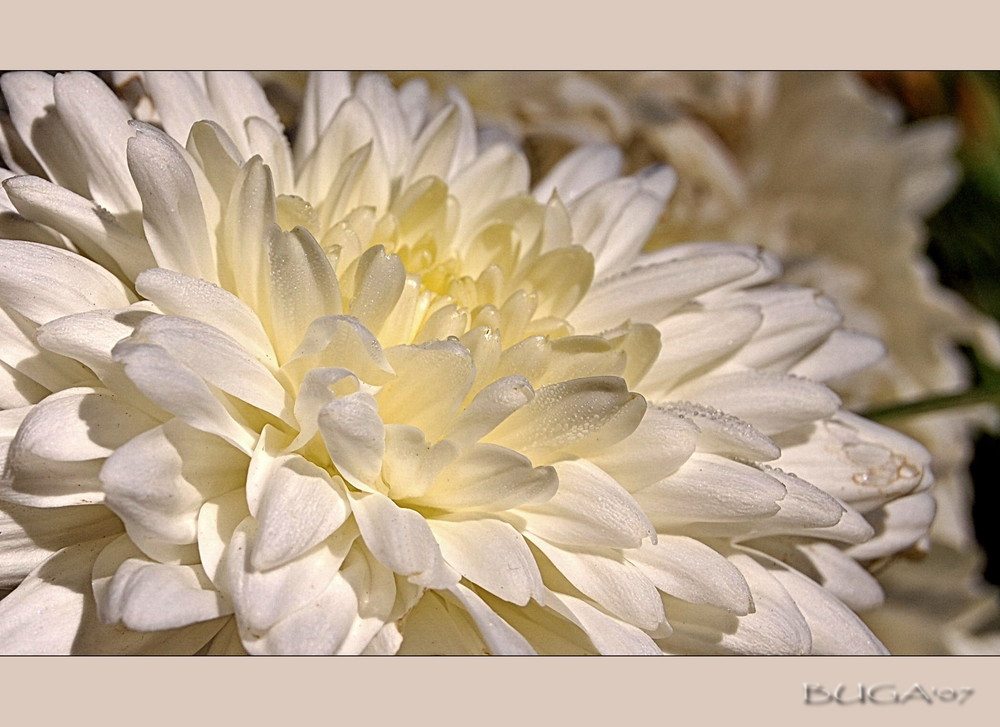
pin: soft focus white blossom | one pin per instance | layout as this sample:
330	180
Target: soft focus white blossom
371	392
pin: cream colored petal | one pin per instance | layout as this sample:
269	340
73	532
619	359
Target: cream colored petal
53	612
490	406
174	216
431	382
489	478
30	100
491	554
661	443
399	538
696	340
572	416
649	293
340	342
770	402
835	628
300	506
325	91
78	424
692	571
19	351
181	99
722	434
217	521
829	565
796	321
604	576
318	627
218	359
590	509
355	438
580	170
301	284
708	488
148	596
775	627
158	481
263	598
844	352
499	636
43	283
99	124
898	525
181	295
92	229
177	389
29	535
610	635
858	461
411	463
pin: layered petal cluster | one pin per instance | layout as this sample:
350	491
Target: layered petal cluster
372	391
818	169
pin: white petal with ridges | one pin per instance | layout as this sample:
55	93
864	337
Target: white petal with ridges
174	216
491	554
590	509
43	283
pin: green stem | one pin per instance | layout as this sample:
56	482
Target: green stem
934	403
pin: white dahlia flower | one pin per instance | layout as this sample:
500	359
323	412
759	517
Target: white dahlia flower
369	392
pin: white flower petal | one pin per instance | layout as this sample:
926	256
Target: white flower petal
431	381
500	638
181	295
489	478
666	442
53	612
898	525
43	283
99	124
355	438
399	537
843	353
91	228
835	628
177	389
158	481
302	285
300	506
770	402
692	571
173	212
776	625
861	462
148	596
29	535
325	92
720	433
491	405
696	340
572	416
491	554
263	598
609	580
590	509
30	99
580	170
651	292
218	359
611	636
